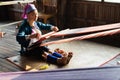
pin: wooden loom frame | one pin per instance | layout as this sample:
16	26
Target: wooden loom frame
85	33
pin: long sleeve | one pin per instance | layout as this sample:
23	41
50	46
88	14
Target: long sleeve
24	30
43	26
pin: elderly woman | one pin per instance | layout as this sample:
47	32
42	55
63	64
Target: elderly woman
30	32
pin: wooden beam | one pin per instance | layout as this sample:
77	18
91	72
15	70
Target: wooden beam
93	35
87	30
2	3
11	23
96	31
43	37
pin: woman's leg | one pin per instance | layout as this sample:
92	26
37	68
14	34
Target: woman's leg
62	52
57	54
36	52
55	60
53	53
46	49
55	57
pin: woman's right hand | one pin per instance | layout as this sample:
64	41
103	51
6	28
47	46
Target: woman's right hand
36	35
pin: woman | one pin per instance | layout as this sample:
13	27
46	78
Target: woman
30	32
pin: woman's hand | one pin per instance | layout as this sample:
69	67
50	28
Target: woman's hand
36	35
55	28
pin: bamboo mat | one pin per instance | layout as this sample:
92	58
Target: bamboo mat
85	54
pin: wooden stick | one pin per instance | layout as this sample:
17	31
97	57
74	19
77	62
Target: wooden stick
48	34
93	35
43	37
8	24
87	30
14	2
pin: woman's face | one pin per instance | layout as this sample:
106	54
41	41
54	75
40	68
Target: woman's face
33	16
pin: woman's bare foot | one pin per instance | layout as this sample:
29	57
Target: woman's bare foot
70	55
62	52
56	50
62	61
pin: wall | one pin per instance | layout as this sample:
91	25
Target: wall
85	13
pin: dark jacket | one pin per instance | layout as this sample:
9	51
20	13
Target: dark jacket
25	29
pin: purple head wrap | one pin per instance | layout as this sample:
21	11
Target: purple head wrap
28	8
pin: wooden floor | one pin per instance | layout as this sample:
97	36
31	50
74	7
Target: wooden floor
9	47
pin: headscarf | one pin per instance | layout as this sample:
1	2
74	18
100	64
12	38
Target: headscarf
27	9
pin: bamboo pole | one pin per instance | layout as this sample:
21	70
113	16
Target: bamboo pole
87	30
93	35
43	37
